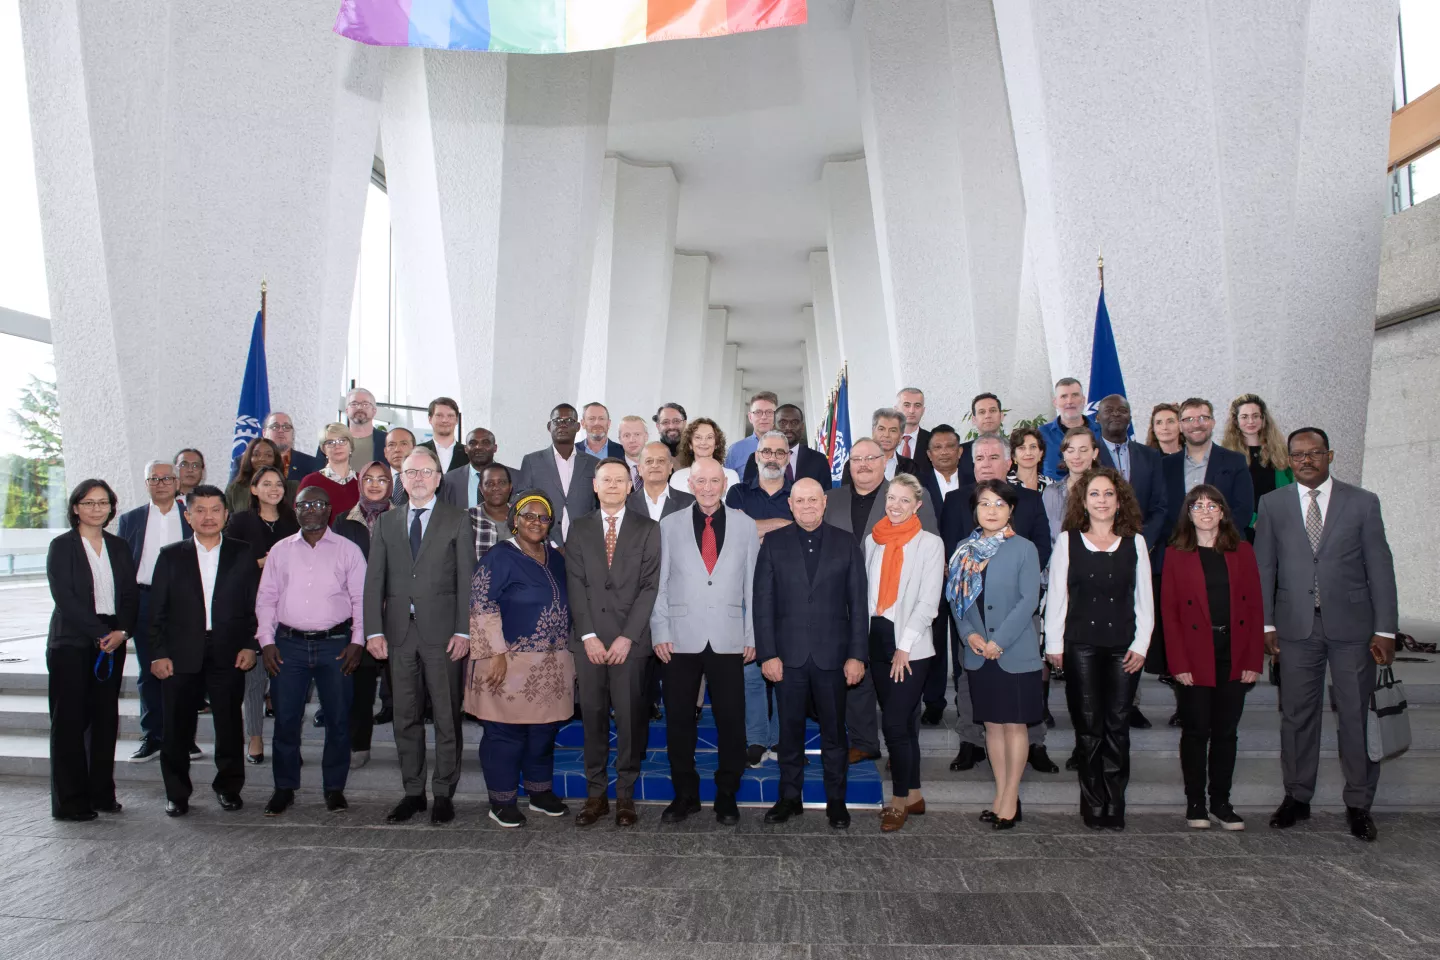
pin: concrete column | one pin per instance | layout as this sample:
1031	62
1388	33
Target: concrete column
685	359
714	362
827	333
866	337
815	390
179	163
725	412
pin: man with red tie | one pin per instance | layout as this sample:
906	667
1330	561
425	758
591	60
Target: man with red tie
914	439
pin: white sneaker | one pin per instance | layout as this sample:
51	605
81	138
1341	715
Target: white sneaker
358	758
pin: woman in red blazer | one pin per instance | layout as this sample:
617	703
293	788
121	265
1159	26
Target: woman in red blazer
1214	621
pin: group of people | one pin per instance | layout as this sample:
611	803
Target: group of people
602	578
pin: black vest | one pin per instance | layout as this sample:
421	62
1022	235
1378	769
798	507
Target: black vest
1101	609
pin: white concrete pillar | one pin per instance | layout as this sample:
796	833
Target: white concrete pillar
815	392
179	163
827	333
725	413
685	363
713	354
865	336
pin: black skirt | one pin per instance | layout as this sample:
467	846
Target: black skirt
1000	697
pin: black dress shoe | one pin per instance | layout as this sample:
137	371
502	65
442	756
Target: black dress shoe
1138	720
176	808
443	811
969	755
1289	813
335	801
255	758
406	809
79	816
679	809
319	719
1175	719
1115	821
1040	759
784	809
112	807
727	812
1361	826
932	714
229	801
1092	821
837	814
385	715
279	802
1072	762
1049	718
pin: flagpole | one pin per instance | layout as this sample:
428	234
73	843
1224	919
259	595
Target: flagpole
263	286
1100	265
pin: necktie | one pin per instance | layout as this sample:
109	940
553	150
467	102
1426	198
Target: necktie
789	473
610	541
905	451
1314	526
399	496
415	531
709	553
635	478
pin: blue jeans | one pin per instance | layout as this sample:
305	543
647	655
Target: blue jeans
761	726
152	713
512	752
304	661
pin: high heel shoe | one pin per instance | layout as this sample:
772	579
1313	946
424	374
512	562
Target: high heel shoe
255	758
1003	823
988	816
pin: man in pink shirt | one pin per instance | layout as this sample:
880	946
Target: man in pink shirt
309	613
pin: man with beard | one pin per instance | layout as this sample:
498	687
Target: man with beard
670	420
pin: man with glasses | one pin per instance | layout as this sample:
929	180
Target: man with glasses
279	429
360	416
417	593
560	471
670	420
399	441
762	419
804	462
1201	460
189	471
146	529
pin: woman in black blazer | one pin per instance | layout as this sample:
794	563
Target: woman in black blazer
92	578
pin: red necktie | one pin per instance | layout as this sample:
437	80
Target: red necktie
709	553
905	452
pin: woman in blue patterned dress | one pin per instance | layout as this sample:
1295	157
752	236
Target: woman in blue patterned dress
521	679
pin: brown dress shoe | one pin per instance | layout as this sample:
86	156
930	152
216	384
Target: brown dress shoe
594	809
892	819
857	755
916	809
625	815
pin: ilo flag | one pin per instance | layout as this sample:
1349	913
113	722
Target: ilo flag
837	446
1105	376
254	404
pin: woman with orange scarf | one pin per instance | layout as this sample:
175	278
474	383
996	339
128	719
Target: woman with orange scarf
905	567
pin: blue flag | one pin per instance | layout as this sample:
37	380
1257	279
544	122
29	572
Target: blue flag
254	404
1105	376
839	445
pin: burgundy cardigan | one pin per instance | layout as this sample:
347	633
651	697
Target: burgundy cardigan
1185	612
343	496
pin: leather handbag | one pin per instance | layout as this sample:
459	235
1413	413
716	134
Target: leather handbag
1387	734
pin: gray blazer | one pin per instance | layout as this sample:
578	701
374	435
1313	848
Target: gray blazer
1353	564
1012	592
837	511
436	582
455	485
693	607
538	471
615	600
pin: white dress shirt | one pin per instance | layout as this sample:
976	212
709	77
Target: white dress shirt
209	566
891	464
104	579
656	507
161	529
946	486
1057	602
566	469
444	452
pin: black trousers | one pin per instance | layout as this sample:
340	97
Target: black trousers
1099	692
362	707
182	694
724	674
84	723
1209	717
825	691
900	720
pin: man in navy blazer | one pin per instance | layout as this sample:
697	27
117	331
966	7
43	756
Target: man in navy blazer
1140	466
804	462
279	429
812	629
1202	460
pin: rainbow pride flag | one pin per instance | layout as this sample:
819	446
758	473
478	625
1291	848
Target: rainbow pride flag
554	26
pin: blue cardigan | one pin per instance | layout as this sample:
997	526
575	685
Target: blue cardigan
1012	594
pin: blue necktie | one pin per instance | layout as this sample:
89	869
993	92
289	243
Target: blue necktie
415	531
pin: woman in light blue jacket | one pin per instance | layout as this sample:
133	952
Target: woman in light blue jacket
993	587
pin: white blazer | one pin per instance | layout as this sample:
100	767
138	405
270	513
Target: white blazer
922	581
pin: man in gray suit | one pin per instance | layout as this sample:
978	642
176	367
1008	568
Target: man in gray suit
857	507
1321	545
612	568
656	498
561	471
702	626
417	614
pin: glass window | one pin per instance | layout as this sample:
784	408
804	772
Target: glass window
32	471
369	360
1417	71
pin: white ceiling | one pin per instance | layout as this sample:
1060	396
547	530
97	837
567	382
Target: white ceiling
747	122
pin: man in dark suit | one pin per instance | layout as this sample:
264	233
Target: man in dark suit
991	455
279	429
202	640
812	630
595	421
462	485
914	439
986	416
1201	460
885	427
612	568
656	498
1321	544
1140	466
940	473
399	442
856	508
154	525
417	615
804	462
561	471
444	416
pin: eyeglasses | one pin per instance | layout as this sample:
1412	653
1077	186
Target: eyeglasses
336	442
192	464
1310	456
359	405
563	421
413	474
282	427
1188	421
775	454
312	504
870	459
541	518
1198	507
159	481
93	504
991	503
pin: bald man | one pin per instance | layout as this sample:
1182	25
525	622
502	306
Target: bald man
811	639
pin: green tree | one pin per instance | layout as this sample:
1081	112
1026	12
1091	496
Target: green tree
28	481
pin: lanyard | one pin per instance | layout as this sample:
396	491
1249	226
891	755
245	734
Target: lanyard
108	659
